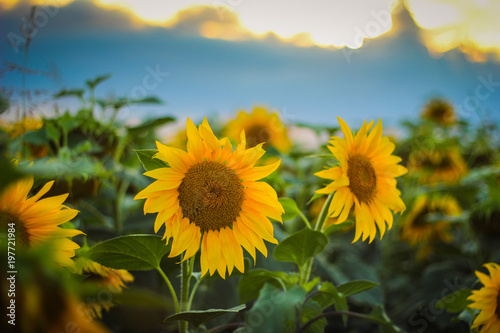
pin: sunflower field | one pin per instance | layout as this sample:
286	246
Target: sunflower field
244	226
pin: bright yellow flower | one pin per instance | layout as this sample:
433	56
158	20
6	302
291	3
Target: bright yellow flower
419	231
112	279
440	165
260	126
364	180
36	220
211	195
439	111
27	124
487	300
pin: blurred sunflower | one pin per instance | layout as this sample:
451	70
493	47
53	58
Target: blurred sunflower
364	179
36	221
487	300
112	279
440	165
418	229
27	124
260	126
211	195
439	111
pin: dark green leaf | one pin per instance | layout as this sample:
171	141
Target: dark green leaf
252	282
300	246
150	125
9	173
275	310
73	92
356	287
146	100
312	310
329	295
131	252
338	227
456	301
198	317
379	316
93	83
314	197
149	162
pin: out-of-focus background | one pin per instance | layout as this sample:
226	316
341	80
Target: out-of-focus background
311	60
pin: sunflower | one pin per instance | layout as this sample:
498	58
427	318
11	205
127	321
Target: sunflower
260	126
487	300
27	124
209	197
439	111
364	179
417	228
36	221
439	165
112	279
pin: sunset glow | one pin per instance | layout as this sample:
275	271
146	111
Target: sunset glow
471	26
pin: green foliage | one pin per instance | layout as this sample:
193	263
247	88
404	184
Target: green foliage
198	317
252	282
131	252
275	309
300	247
148	159
290	207
456	301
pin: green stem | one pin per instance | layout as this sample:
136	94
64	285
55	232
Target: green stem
170	287
193	292
305	219
324	213
186	270
120	194
305	271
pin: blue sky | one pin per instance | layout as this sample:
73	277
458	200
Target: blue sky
390	77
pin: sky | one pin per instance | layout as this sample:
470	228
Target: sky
311	61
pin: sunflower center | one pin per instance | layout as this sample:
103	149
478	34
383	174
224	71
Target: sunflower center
9	222
211	195
421	218
362	178
257	134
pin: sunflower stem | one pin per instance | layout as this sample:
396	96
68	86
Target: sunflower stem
324	213
170	287
193	292
186	271
305	271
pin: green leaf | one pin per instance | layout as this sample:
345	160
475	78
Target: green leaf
198	317
379	316
252	282
312	310
290	207
456	301
93	83
356	287
131	252
300	246
314	197
329	295
275	310
338	227
9	173
146	100
73	92
149	125
149	162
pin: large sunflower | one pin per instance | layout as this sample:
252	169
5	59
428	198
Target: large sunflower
487	300
364	179
439	165
260	126
36	220
210	197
